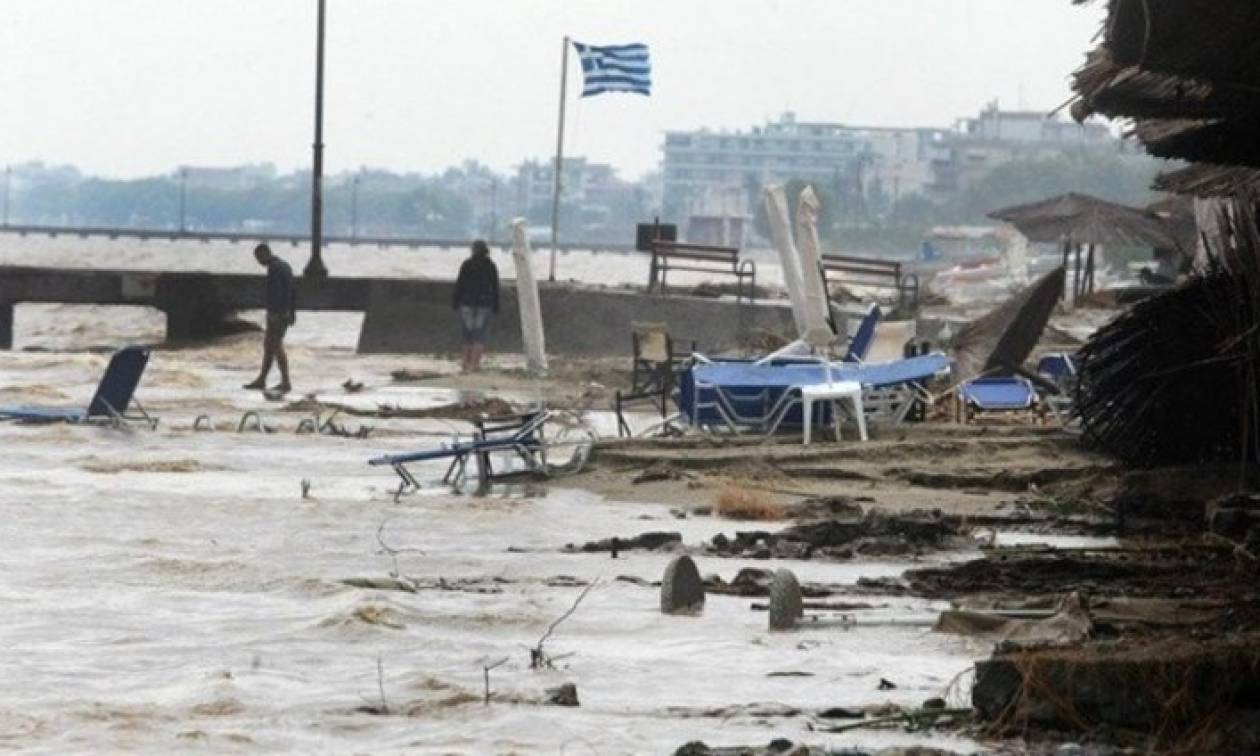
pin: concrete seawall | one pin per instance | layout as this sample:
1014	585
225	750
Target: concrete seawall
416	316
401	315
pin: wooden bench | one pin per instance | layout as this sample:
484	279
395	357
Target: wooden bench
869	271
667	256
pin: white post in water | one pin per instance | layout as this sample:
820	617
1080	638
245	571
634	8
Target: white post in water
555	197
527	298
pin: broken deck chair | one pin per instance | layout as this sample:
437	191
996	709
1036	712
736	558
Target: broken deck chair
859	346
996	394
1059	368
862	341
546	443
655	368
115	396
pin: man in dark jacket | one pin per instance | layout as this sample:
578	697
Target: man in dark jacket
476	297
281	313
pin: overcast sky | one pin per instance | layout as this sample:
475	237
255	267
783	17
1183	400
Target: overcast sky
134	87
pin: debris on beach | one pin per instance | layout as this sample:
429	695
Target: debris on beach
470	409
414	375
651	541
682	590
874	533
738	503
1002	339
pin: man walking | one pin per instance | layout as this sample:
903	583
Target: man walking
281	313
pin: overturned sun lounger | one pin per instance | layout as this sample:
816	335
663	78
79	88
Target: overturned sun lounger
114	397
545	443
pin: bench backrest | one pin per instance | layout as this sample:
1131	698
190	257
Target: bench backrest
695	251
868	270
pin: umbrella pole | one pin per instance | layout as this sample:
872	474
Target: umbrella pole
1076	276
1067	246
1089	270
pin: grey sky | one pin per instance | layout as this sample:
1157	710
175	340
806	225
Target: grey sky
130	87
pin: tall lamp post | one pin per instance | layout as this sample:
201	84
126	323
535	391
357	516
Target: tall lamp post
8	183
315	266
183	193
354	208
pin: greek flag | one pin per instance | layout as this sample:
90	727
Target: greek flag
615	68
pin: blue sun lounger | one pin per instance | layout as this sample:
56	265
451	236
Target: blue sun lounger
114	397
997	394
521	436
1057	367
765	397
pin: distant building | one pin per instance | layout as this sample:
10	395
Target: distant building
1030	127
868	168
582	181
995	136
236	177
592	192
843	159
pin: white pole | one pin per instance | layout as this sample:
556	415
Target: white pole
555	197
527	299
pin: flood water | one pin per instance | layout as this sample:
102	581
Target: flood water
174	590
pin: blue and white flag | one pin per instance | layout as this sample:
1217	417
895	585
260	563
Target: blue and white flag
615	68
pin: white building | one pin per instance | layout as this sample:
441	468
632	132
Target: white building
843	159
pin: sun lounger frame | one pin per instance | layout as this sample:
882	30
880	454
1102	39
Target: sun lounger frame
526	441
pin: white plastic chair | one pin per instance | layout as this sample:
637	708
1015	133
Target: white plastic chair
832	391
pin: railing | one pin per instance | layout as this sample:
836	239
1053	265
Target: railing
144	234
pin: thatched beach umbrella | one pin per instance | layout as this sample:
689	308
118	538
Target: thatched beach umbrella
1005	336
1081	222
1087	220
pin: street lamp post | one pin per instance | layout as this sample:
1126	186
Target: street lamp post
183	192
315	266
8	183
354	208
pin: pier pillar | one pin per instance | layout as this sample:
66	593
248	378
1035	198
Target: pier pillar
192	306
6	325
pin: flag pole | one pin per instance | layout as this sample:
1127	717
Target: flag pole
555	197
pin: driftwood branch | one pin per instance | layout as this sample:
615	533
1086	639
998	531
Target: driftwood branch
392	551
913	720
380	684
538	658
485	670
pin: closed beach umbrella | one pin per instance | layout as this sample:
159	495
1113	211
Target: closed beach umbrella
818	331
775	199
